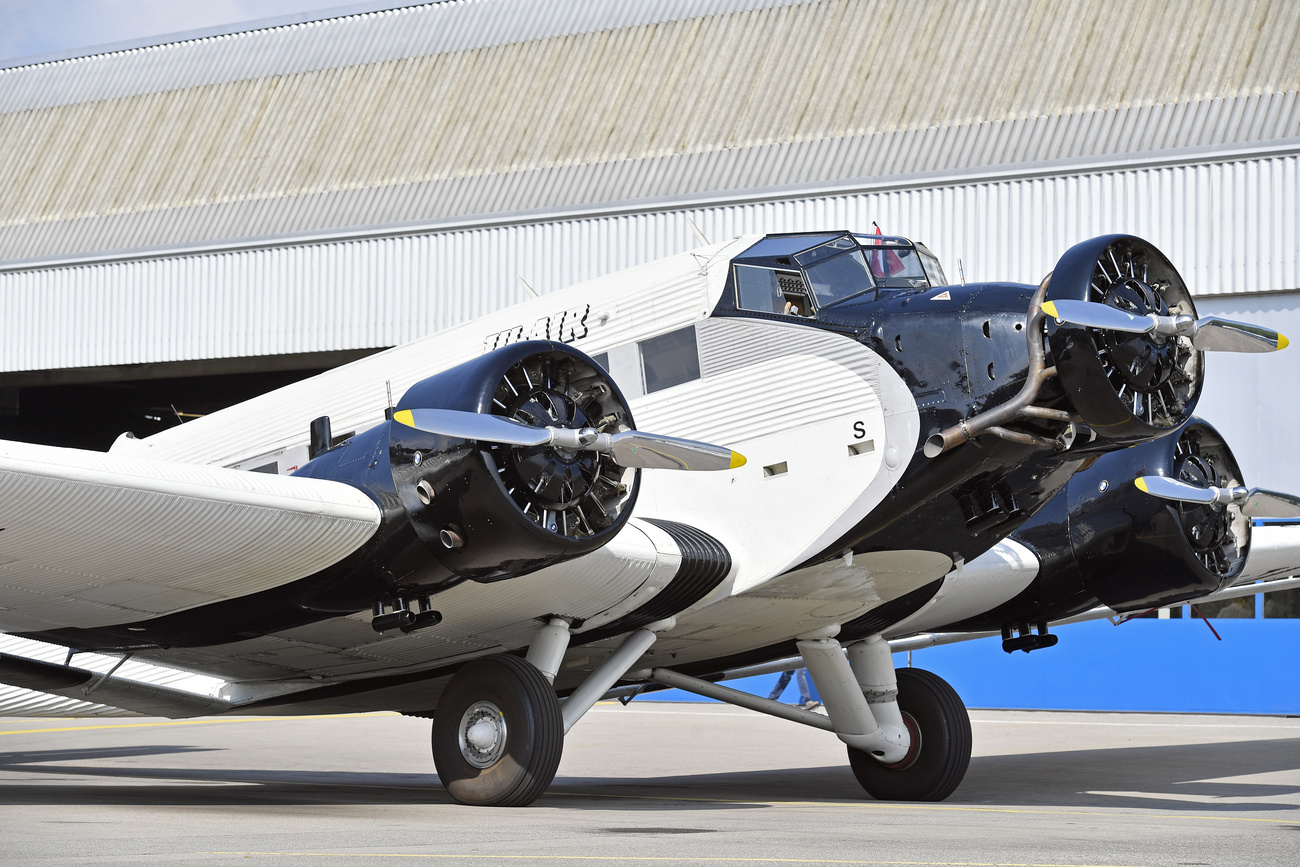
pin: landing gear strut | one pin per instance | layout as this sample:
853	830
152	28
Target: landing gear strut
497	733
940	746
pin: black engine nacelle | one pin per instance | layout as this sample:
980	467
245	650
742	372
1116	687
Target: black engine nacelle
489	511
1102	540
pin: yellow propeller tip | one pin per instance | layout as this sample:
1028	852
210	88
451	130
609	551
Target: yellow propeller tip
404	417
737	460
1282	342
1049	307
1142	485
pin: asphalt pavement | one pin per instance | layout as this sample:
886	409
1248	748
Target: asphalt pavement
650	783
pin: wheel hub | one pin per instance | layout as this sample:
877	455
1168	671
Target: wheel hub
482	734
913	748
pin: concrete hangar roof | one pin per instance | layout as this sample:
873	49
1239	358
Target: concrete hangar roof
495	111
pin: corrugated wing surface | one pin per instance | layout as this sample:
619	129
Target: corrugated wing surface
92	539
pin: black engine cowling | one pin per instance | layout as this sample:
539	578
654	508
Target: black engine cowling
490	511
1127	387
1102	540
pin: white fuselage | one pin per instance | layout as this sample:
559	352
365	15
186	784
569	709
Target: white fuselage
827	429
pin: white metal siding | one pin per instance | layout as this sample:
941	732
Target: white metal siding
498	108
1229	228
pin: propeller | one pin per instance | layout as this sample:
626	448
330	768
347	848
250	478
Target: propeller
1209	332
628	449
1254	503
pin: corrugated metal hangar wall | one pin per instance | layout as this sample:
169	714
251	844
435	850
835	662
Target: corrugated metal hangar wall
315	190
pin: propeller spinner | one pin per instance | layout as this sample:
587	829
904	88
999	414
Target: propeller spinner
1209	332
628	449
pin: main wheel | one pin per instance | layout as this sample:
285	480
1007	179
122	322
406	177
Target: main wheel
941	743
497	733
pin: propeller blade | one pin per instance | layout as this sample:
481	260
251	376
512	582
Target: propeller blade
1209	333
1228	336
629	449
474	426
1255	503
1093	315
1172	489
637	449
1270	504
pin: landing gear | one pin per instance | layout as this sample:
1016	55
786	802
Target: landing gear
940	747
497	733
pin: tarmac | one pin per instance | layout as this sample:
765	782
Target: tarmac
649	784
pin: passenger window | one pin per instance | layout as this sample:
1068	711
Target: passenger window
670	359
769	291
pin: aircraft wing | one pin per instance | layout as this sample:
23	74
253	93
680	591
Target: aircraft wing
90	539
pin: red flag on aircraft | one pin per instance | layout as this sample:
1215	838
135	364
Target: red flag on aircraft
885	263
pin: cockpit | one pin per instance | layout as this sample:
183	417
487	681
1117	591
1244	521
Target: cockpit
803	275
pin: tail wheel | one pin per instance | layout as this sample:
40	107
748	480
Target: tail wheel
497	733
1129	387
941	743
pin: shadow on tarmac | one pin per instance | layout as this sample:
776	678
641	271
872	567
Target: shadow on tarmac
1191	778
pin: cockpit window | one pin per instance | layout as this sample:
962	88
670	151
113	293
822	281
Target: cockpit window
839	278
933	269
895	266
771	291
801	275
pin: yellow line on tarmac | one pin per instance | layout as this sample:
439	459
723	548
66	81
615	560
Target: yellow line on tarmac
693	859
184	722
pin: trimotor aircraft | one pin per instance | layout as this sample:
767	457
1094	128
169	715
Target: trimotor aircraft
839	448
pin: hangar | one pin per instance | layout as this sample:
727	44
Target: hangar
194	219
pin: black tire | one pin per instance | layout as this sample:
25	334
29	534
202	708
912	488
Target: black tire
516	704
941	743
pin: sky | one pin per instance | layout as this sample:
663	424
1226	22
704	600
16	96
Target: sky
35	27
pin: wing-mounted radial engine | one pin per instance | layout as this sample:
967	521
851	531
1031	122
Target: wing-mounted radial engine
488	509
521	458
1139	528
524	457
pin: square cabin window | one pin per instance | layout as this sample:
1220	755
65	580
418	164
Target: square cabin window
758	289
670	359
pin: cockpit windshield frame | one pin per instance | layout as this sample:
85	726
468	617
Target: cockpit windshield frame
800	275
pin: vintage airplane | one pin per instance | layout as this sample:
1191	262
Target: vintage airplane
920	460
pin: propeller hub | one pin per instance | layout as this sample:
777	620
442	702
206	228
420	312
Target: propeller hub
1144	361
1207	525
557	476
